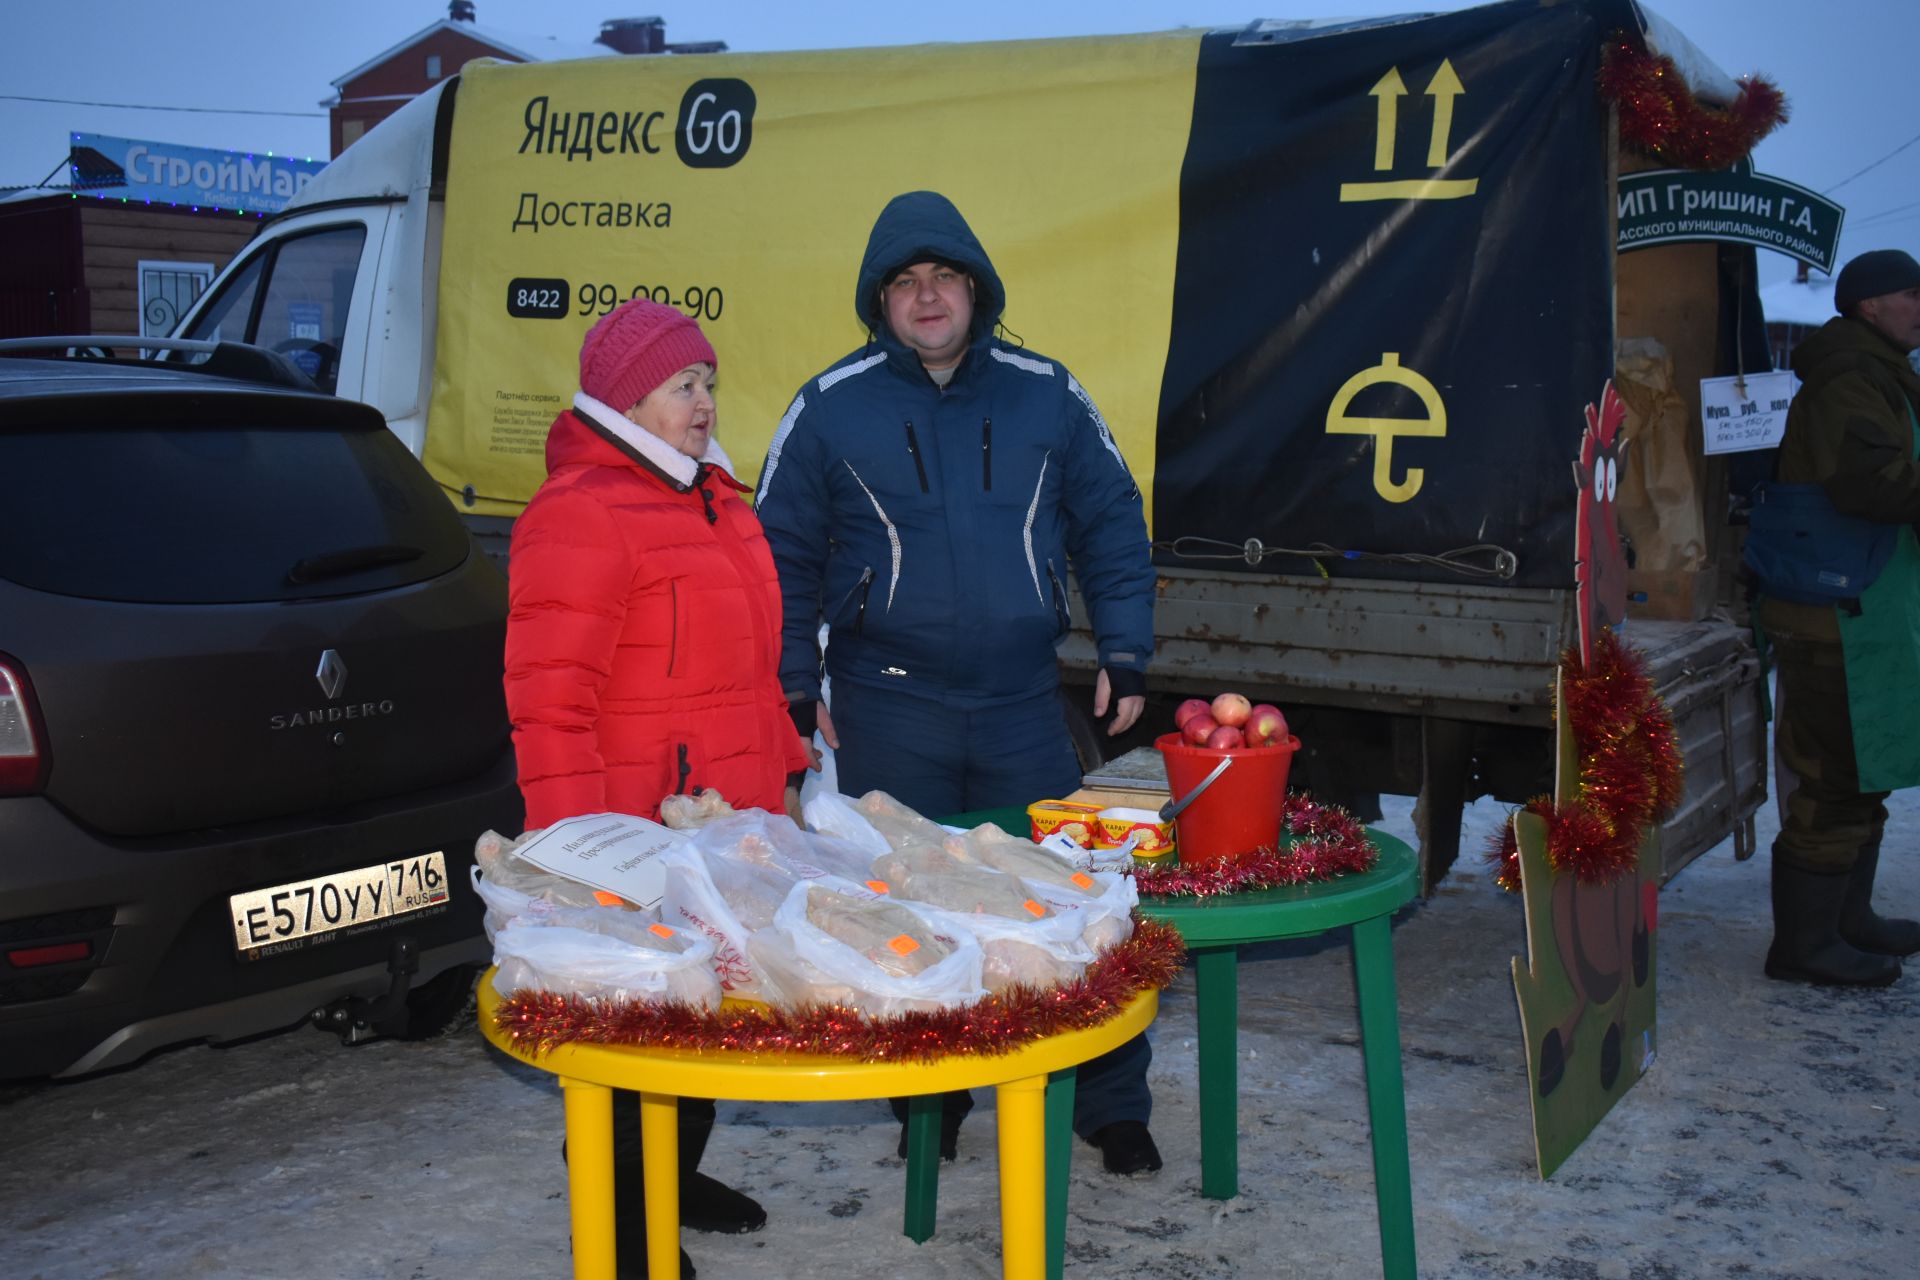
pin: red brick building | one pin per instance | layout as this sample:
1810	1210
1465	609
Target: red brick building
378	87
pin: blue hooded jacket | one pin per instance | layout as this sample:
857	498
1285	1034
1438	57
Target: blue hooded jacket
932	528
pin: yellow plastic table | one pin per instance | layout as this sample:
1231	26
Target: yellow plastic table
589	1072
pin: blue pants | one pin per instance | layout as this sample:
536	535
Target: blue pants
941	761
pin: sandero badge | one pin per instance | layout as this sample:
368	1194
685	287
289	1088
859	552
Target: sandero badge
332	675
715	127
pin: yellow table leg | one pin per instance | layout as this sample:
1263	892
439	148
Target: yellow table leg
590	1177
1023	1178
660	1159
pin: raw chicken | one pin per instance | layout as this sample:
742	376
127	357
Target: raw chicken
894	939
900	825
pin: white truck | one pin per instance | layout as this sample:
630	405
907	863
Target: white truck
1341	289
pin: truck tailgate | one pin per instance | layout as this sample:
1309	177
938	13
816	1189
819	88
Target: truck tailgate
1709	676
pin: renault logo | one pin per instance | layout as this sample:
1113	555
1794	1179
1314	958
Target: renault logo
332	674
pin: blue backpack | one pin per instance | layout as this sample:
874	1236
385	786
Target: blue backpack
1800	548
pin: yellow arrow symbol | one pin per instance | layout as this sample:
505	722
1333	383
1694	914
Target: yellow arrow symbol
1443	89
1389	91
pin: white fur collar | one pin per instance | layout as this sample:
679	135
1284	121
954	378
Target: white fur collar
676	465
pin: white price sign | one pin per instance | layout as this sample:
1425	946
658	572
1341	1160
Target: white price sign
616	852
1745	412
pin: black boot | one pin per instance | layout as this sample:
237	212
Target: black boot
1859	924
953	1109
1807	946
708	1204
1126	1148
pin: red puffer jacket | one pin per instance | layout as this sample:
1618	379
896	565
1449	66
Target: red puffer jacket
643	641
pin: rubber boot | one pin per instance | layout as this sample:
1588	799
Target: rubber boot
1860	925
1807	946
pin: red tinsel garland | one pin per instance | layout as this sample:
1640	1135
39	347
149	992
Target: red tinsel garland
1326	841
1630	771
1660	116
538	1021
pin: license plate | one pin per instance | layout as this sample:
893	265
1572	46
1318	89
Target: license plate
283	918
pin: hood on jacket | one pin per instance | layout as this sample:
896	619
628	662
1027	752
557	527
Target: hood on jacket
916	227
1852	343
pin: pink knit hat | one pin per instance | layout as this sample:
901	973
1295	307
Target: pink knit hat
636	347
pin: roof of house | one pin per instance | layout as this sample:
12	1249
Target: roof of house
1808	301
528	48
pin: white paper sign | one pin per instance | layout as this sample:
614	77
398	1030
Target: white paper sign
616	852
1742	413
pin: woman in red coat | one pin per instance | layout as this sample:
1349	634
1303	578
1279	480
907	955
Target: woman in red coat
644	639
643	645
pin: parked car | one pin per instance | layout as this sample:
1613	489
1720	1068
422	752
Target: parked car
251	718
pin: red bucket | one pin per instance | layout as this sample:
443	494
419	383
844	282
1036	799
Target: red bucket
1242	810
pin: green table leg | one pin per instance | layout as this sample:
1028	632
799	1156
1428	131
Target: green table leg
1217	1009
923	1165
1060	1091
1386	1093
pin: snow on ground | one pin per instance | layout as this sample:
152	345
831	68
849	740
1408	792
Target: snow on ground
1775	1137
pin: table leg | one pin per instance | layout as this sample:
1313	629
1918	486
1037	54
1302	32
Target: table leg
1023	1190
1217	1010
1061	1086
923	1165
660	1163
589	1110
1386	1093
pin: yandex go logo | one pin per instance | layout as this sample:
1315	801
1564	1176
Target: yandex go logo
715	127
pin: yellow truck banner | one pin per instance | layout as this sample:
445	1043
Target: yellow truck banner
741	189
1341	290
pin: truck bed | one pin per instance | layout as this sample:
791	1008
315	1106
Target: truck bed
1465	672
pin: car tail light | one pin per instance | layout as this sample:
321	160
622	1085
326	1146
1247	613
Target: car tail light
23	742
47	957
58	953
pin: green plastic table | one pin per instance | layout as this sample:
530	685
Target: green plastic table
1216	928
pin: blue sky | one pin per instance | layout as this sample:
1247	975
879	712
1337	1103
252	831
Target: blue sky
1845	65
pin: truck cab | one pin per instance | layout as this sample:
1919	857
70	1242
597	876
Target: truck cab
344	281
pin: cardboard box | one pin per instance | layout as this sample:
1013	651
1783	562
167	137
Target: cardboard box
1112	798
1671	595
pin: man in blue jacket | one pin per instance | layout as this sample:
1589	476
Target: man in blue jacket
925	497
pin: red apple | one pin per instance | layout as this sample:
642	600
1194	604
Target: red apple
1266	727
1225	738
1231	709
1197	729
1188	710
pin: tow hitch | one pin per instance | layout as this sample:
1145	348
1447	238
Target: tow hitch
355	1018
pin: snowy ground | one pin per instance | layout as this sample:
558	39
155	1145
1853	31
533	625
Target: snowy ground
1777	1136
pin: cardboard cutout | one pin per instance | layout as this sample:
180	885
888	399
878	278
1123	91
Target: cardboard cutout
1586	990
1599	563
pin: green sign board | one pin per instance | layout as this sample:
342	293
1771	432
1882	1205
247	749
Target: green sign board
1666	206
